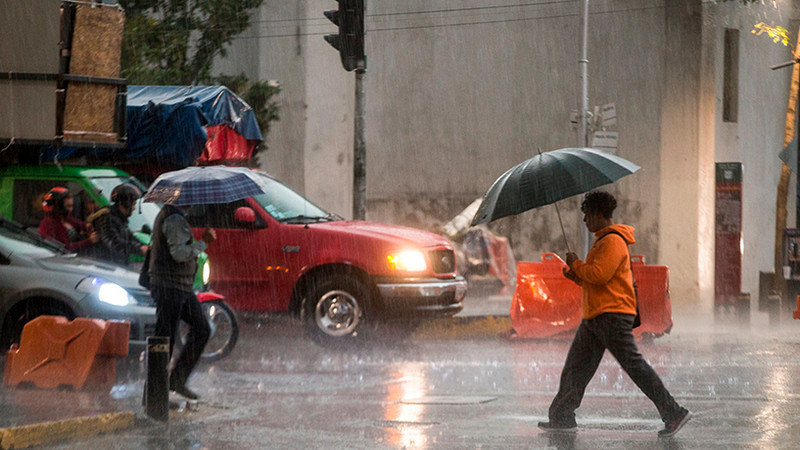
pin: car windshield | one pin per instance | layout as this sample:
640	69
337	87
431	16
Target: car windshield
143	213
18	241
284	204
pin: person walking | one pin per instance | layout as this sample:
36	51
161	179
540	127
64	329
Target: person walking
173	263
608	307
111	223
59	223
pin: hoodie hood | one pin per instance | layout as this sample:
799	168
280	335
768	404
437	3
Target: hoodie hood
625	230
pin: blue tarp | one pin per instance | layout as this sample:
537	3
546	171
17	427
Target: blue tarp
165	124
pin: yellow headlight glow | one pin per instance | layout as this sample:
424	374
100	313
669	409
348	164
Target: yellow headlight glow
407	261
206	272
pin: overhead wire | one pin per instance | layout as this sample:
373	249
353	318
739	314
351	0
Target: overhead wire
326	23
459	24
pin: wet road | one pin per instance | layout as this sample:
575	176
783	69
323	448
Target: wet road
278	390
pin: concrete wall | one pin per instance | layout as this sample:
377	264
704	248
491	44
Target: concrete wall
756	138
457	93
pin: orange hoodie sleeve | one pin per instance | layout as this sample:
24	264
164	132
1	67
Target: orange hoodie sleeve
602	261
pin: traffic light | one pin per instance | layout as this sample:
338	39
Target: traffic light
350	40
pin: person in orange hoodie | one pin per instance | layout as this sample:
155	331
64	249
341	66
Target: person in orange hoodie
608	308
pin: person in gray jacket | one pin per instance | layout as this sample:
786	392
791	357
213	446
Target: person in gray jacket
173	263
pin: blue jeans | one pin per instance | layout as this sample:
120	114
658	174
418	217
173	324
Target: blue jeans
615	333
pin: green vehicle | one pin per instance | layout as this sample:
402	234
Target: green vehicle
21	192
22	188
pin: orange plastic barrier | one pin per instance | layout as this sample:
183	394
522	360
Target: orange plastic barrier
652	286
546	304
54	351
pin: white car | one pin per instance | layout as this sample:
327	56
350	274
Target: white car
37	277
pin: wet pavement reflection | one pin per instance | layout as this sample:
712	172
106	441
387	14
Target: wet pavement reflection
279	390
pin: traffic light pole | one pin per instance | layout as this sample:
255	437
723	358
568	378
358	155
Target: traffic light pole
360	149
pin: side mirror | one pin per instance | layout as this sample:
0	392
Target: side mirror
245	216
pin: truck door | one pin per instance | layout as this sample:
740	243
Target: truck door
242	261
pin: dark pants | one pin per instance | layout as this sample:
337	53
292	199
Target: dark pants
594	336
172	306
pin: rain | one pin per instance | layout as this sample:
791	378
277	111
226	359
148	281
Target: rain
358	291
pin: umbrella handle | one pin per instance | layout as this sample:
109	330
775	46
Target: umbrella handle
563	233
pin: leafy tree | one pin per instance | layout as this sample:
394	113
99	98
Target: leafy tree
176	41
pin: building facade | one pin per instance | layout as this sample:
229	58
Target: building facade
459	91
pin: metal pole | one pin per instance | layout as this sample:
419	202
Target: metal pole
360	150
156	390
584	65
582	119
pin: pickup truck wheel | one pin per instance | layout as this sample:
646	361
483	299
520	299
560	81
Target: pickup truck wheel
335	309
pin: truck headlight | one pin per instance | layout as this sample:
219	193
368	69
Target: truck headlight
106	292
206	272
407	261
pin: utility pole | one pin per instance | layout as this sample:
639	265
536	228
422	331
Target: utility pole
583	62
360	150
584	66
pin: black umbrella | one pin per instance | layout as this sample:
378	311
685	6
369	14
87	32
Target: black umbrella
549	177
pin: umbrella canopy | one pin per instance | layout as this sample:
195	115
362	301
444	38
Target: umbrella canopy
205	184
549	177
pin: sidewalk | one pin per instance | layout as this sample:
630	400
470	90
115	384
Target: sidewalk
34	416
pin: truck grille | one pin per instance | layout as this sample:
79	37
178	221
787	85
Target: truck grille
444	261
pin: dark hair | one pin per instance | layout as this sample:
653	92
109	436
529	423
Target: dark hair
599	202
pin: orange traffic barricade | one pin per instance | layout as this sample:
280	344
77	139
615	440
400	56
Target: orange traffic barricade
54	351
546	304
652	288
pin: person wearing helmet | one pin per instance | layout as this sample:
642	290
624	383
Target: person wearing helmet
59	223
117	240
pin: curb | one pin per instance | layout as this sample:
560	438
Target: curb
49	432
464	327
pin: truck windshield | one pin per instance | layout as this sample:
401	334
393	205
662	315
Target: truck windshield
283	203
143	213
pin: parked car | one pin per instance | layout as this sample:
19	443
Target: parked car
277	251
22	189
37	277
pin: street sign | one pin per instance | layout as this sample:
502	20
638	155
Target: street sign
605	140
608	114
573	118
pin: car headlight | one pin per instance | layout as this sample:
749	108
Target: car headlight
407	261
206	272
106	292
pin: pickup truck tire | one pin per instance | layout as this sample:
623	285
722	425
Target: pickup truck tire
335	310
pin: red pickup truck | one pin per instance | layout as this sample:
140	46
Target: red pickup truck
279	252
